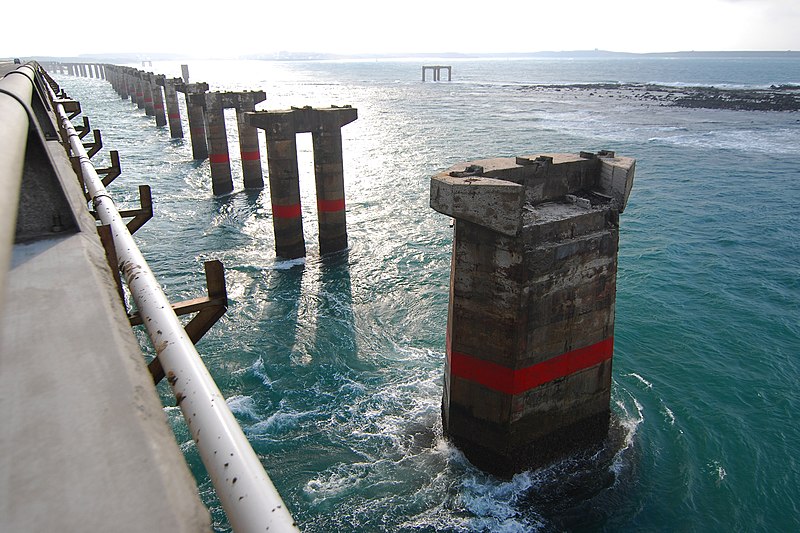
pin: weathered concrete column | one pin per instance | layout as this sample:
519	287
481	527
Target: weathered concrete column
122	73
329	176
221	180
325	127
147	87
132	85
139	84
245	102
531	314
195	101
157	82
173	109
113	77
284	181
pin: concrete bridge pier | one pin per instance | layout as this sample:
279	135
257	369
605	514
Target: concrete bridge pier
131	81
252	173
195	104
130	86
120	82
530	330
129	75
139	84
157	81
173	109
147	88
221	180
281	128
329	177
284	183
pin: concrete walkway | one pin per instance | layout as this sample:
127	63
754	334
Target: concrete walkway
84	444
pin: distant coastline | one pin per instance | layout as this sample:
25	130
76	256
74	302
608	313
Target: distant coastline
319	56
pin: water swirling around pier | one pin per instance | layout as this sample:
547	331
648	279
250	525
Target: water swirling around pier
333	365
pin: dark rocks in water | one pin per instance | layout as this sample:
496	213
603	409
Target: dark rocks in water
774	98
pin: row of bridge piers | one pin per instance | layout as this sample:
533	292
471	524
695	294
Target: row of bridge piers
530	322
157	95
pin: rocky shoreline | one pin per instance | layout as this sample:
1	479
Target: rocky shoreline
775	98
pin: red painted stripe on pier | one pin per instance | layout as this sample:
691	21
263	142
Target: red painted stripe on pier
251	156
148	99
174	115
509	381
330	206
218	158
286	211
158	106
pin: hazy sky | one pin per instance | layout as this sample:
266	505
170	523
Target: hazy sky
233	27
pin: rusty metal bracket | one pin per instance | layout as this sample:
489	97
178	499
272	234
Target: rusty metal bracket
139	216
112	172
107	239
94	147
109	173
76	166
84	130
209	310
71	107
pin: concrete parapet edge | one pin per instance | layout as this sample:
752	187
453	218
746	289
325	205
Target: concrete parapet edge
493	203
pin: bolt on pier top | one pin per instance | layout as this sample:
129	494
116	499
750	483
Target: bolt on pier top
531	314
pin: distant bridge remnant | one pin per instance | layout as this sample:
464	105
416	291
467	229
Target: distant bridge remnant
436	71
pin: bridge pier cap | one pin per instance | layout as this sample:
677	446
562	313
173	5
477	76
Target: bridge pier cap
531	313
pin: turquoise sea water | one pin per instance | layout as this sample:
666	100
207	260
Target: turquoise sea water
333	365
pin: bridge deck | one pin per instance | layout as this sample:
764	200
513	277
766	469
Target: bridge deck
85	443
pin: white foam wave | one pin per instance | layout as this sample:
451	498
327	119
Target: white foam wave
630	422
670	415
278	423
718	471
641	379
286	264
336	480
242	406
258	370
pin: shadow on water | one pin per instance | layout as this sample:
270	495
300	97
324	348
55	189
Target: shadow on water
336	327
284	284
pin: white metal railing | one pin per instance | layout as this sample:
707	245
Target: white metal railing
246	492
